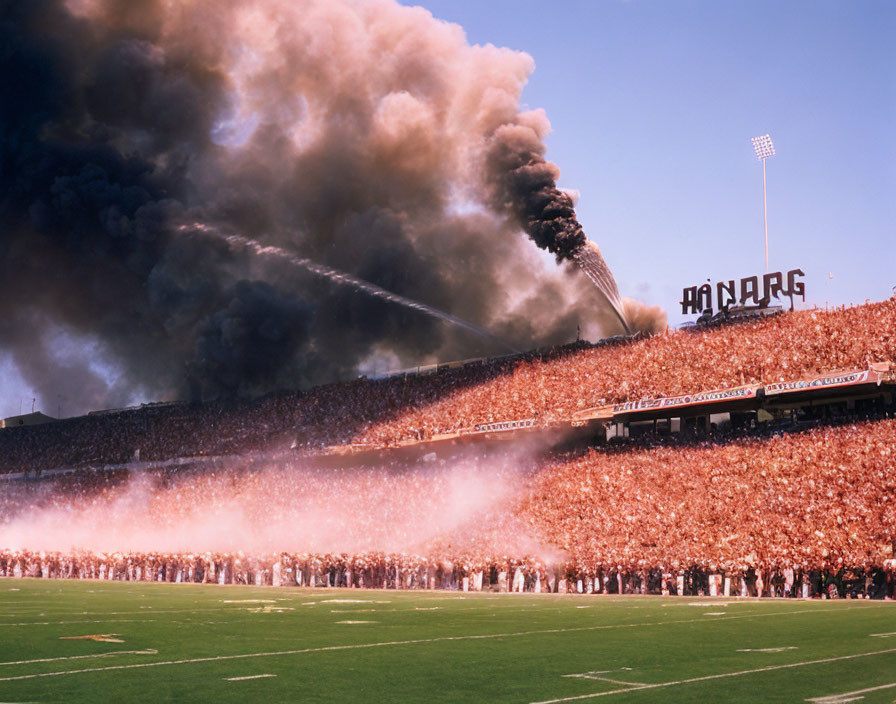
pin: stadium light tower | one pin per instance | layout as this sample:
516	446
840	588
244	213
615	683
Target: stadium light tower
764	149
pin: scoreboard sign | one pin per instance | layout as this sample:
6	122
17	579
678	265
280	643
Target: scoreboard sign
696	299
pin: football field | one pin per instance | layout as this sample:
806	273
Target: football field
71	641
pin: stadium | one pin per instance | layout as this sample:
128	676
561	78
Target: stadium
263	225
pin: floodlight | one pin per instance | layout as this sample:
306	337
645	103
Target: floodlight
764	149
763	146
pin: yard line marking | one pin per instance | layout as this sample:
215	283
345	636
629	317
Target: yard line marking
768	650
248	677
720	676
147	611
596	675
849	696
639	685
442	639
883	635
148	651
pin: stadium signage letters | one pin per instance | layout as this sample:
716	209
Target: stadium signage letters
835	380
686	400
696	299
506	425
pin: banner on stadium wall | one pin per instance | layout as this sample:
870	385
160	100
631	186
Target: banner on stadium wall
589	414
504	425
652	404
828	381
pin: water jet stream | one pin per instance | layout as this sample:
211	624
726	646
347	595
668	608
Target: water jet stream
340	277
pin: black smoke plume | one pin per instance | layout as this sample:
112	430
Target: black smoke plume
526	186
363	136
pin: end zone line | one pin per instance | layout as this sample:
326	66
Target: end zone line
417	641
723	675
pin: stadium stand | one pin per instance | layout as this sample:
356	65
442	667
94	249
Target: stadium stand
546	387
733	516
735	510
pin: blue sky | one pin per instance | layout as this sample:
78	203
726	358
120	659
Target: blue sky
653	104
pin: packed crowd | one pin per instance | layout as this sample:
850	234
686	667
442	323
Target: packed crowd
780	348
787	514
544	386
801	499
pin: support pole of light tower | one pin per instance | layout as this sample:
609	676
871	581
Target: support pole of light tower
764	149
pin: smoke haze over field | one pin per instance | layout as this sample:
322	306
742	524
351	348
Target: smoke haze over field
368	137
446	508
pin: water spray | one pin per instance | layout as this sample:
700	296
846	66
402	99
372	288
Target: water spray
591	261
343	279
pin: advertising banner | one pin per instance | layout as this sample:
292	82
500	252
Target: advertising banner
653	404
504	426
827	381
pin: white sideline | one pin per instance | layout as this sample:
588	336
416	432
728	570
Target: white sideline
67	623
358	646
723	675
148	651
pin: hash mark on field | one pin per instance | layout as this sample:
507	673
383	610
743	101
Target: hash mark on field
768	650
269	609
723	675
442	639
883	635
248	677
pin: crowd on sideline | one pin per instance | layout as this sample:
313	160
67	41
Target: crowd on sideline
801	514
399	571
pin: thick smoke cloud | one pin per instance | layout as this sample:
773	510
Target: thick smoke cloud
367	136
437	510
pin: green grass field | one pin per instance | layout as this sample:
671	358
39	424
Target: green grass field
193	643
